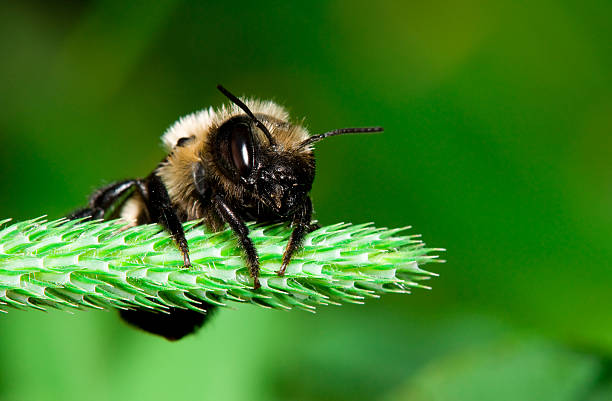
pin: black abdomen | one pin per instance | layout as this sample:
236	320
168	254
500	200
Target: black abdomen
173	325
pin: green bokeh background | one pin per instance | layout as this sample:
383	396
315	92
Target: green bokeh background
497	146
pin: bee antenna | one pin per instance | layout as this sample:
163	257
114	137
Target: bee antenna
340	131
249	113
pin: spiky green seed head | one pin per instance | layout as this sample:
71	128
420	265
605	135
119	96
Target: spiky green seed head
76	264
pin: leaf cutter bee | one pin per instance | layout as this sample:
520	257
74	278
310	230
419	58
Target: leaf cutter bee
242	162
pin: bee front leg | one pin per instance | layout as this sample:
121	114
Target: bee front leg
242	232
301	227
161	211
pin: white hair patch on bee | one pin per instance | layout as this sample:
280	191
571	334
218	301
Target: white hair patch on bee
199	124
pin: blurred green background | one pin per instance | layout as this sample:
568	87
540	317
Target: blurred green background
497	146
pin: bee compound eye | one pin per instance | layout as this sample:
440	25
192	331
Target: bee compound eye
241	148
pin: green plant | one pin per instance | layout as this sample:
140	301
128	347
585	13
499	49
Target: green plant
75	264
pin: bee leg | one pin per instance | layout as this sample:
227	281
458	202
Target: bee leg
241	230
302	226
104	199
161	211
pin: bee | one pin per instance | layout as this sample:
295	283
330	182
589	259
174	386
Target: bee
242	162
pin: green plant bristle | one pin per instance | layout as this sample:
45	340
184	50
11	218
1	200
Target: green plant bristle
75	264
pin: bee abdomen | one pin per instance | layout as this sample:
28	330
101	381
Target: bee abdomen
173	325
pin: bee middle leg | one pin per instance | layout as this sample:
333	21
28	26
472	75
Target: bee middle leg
161	211
238	226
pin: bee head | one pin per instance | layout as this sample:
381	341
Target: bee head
283	181
278	177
